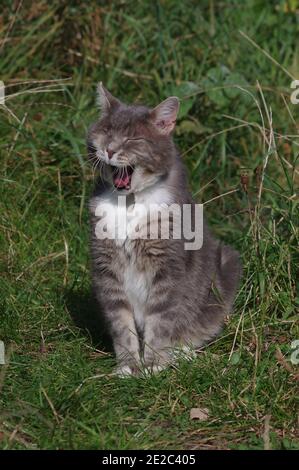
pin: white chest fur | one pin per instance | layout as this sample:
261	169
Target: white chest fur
137	287
118	220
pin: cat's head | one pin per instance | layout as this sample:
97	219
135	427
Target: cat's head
132	145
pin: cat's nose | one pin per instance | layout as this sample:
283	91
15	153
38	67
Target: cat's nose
110	153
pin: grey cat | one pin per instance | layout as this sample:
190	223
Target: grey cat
156	296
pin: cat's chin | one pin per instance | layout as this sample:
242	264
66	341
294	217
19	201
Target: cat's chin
121	191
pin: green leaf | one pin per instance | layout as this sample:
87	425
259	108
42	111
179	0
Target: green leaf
235	358
214	82
222	87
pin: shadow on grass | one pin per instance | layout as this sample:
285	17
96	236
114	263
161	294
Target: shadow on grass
84	311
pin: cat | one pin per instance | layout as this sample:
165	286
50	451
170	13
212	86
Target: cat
157	297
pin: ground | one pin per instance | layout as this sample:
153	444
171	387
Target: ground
232	67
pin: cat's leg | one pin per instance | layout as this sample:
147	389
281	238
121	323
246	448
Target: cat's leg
158	343
125	340
162	332
119	318
109	290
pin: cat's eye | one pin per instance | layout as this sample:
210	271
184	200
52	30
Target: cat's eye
134	139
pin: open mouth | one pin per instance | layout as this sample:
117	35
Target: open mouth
122	177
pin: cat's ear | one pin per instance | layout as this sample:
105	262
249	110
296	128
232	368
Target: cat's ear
164	115
105	100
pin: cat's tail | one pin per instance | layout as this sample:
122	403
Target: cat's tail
230	273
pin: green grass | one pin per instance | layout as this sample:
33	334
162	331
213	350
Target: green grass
56	390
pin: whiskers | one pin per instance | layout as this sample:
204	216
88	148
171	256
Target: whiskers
98	164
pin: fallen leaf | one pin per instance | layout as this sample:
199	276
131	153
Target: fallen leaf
201	414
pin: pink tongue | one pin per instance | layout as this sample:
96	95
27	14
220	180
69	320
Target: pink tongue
122	182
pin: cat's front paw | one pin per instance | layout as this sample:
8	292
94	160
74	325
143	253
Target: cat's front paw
125	370
153	369
155	362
